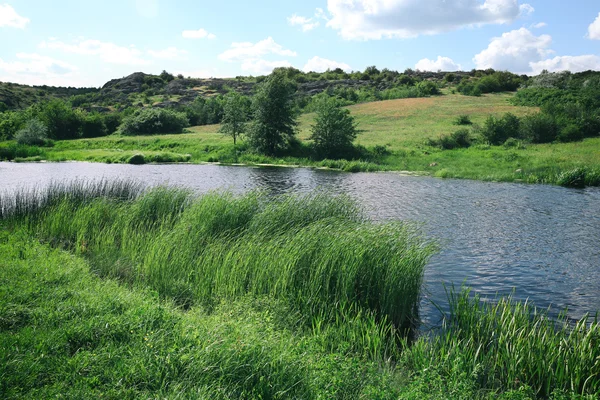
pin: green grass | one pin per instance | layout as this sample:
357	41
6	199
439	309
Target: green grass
108	290
403	127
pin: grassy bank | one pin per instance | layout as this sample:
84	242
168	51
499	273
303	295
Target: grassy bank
399	128
109	290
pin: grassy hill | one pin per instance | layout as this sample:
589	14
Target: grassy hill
402	127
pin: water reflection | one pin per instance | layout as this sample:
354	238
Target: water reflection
539	241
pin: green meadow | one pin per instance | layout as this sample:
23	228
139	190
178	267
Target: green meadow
108	290
397	133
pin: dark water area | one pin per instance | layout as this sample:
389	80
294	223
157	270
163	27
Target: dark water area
540	242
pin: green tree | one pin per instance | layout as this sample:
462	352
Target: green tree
33	133
274	116
235	116
334	130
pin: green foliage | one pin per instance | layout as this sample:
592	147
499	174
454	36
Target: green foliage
235	116
112	121
207	112
274	119
34	133
507	345
62	120
497	130
334	130
427	88
93	125
463	120
495	82
166	76
459	139
10	123
539	128
152	121
11	151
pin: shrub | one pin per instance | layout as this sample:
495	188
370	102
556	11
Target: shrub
62	120
35	133
112	122
539	128
462	138
570	133
136	159
427	88
154	120
463	120
93	126
497	130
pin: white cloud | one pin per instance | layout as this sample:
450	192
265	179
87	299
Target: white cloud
263	67
307	24
441	64
35	69
108	52
376	19
514	51
318	64
594	29
246	50
539	25
525	10
198	34
10	18
168	53
251	55
567	63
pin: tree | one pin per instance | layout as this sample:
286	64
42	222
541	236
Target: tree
334	130
273	113
235	116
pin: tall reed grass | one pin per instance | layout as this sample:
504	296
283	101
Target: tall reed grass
316	252
506	345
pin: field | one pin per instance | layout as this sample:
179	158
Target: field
110	291
401	127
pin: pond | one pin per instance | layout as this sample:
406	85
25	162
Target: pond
540	242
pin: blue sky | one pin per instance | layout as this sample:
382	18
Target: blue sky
85	43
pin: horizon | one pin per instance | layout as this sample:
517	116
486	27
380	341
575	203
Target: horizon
67	43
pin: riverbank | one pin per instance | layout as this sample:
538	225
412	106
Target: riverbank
395	134
108	290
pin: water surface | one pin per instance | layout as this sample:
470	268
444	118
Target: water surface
542	242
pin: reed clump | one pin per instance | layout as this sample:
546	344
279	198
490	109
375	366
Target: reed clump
318	253
508	345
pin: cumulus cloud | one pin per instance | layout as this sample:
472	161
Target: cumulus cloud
441	64
263	67
307	24
539	25
108	52
567	63
35	69
198	34
594	29
250	55
525	10
168	53
514	51
245	50
376	19
10	18
318	64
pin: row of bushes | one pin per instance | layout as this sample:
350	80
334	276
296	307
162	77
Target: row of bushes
494	83
539	128
57	120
